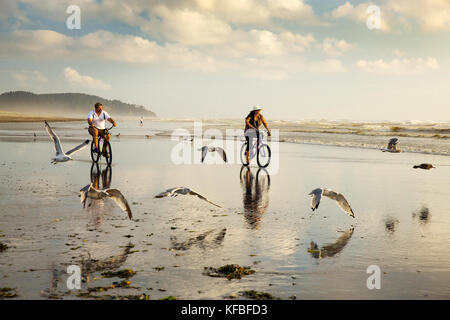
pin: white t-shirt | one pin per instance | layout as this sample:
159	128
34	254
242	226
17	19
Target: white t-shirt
99	121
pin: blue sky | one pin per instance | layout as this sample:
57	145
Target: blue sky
215	58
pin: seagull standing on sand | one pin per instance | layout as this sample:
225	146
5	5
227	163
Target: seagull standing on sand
60	155
173	192
338	197
219	150
90	192
392	146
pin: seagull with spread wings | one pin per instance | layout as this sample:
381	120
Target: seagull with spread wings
219	150
62	156
90	192
173	192
338	197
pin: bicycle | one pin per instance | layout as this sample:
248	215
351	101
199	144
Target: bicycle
103	148
262	150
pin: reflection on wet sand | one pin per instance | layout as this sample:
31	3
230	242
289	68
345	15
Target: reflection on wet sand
97	195
391	225
422	214
96	207
255	194
90	266
332	249
206	240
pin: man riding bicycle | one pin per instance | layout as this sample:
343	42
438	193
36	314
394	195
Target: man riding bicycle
96	120
252	123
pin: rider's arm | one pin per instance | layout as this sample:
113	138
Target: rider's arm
112	121
265	125
91	123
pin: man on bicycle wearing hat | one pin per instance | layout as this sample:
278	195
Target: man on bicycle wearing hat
96	120
252	122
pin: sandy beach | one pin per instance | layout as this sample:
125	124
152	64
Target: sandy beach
401	221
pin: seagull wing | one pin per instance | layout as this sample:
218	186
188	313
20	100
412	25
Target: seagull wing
55	139
315	200
222	153
191	192
168	192
341	201
84	194
118	197
204	152
78	148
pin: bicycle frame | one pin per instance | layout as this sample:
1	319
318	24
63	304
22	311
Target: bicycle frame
254	148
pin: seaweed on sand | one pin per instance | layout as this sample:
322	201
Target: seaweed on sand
229	271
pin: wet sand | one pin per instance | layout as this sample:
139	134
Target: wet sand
6	116
401	223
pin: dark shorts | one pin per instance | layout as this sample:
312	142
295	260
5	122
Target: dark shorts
101	132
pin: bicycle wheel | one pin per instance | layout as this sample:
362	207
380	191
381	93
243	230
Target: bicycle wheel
263	156
95	155
243	157
107	152
263	178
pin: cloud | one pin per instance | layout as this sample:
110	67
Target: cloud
27	79
34	43
399	66
335	47
432	15
72	76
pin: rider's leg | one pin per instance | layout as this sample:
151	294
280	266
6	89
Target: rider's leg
94	133
247	153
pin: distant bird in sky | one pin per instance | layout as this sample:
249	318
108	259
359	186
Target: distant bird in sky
90	192
219	150
338	197
60	155
173	192
425	166
392	146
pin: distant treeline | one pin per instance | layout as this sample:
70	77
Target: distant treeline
67	104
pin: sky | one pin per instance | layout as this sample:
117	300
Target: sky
297	59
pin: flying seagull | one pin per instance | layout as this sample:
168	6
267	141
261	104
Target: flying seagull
338	197
219	150
392	146
90	192
425	166
173	192
60	155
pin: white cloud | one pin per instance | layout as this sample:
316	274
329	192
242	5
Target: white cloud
35	43
72	76
335	47
399	66
27	79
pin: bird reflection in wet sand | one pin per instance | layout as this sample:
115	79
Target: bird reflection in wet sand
206	240
423	214
332	249
391	224
90	265
255	194
97	195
